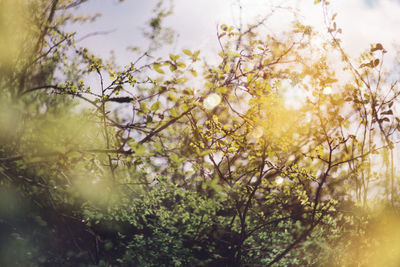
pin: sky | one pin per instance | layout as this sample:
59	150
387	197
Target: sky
363	22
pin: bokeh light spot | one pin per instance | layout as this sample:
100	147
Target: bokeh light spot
211	101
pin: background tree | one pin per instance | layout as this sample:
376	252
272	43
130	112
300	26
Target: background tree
177	162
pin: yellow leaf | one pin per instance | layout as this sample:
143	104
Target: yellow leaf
187	52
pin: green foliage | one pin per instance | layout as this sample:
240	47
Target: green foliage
151	167
169	226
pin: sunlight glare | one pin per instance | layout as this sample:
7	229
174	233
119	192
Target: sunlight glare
212	101
279	180
327	90
294	97
257	132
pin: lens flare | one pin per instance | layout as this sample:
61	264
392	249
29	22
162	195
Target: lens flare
257	132
327	90
211	101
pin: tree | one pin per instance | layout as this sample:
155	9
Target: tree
160	169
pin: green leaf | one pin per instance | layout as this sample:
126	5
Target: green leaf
108	245
175	158
206	152
172	67
173	57
222	90
249	77
187	52
227	68
196	54
143	107
156	106
173	113
188	91
138	149
181	80
181	65
157	67
234	54
171	97
185	107
158	147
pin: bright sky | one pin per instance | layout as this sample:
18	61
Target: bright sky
363	22
195	21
